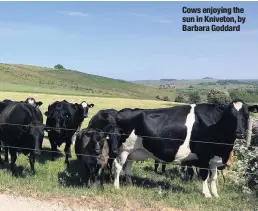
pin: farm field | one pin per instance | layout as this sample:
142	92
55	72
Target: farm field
52	181
29	78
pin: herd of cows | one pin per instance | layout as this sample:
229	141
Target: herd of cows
197	135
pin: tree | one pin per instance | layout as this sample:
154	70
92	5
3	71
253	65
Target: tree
59	66
194	97
180	98
218	96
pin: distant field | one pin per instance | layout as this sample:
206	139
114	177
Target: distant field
28	78
51	181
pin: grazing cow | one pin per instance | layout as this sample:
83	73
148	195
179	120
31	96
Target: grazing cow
159	133
22	129
64	119
88	148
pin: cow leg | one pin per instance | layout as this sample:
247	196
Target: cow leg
101	178
119	162
128	172
67	154
110	164
214	175
53	149
32	162
204	173
163	168
190	172
87	175
13	154
6	159
156	165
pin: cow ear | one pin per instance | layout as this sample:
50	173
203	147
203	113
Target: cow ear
253	108
39	103
91	105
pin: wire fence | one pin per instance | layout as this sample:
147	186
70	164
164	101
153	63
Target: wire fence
95	156
120	134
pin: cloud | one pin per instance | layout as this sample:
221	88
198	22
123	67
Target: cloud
152	18
74	13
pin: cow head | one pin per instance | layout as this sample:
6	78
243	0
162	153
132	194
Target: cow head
86	107
115	139
239	111
32	101
58	118
253	108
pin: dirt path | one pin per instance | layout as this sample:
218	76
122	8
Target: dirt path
9	203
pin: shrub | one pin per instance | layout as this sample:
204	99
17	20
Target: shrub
180	98
244	171
218	96
194	97
59	66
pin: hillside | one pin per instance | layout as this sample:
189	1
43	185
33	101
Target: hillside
28	78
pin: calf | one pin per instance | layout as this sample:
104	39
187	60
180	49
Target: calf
159	133
88	148
22	130
64	119
105	120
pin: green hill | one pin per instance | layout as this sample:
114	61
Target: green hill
28	78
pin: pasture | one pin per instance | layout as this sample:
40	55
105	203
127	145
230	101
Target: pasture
151	190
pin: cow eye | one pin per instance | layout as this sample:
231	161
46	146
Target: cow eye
66	116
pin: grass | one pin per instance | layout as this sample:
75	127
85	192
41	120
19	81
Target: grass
52	181
28	78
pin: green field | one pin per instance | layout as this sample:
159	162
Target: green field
27	78
52	181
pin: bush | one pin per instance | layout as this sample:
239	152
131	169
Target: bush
244	171
218	96
180	99
59	66
194	97
166	98
250	95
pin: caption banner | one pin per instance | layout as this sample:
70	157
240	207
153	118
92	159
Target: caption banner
212	19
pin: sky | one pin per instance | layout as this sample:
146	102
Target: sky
127	40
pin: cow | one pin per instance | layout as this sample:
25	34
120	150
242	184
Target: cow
105	120
3	104
64	120
22	130
88	148
164	134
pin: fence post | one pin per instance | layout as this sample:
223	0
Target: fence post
249	131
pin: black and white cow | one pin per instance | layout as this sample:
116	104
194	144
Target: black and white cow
64	119
22	130
164	134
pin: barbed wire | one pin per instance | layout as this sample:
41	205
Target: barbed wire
110	133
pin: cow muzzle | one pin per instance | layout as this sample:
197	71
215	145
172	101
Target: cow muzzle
241	135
